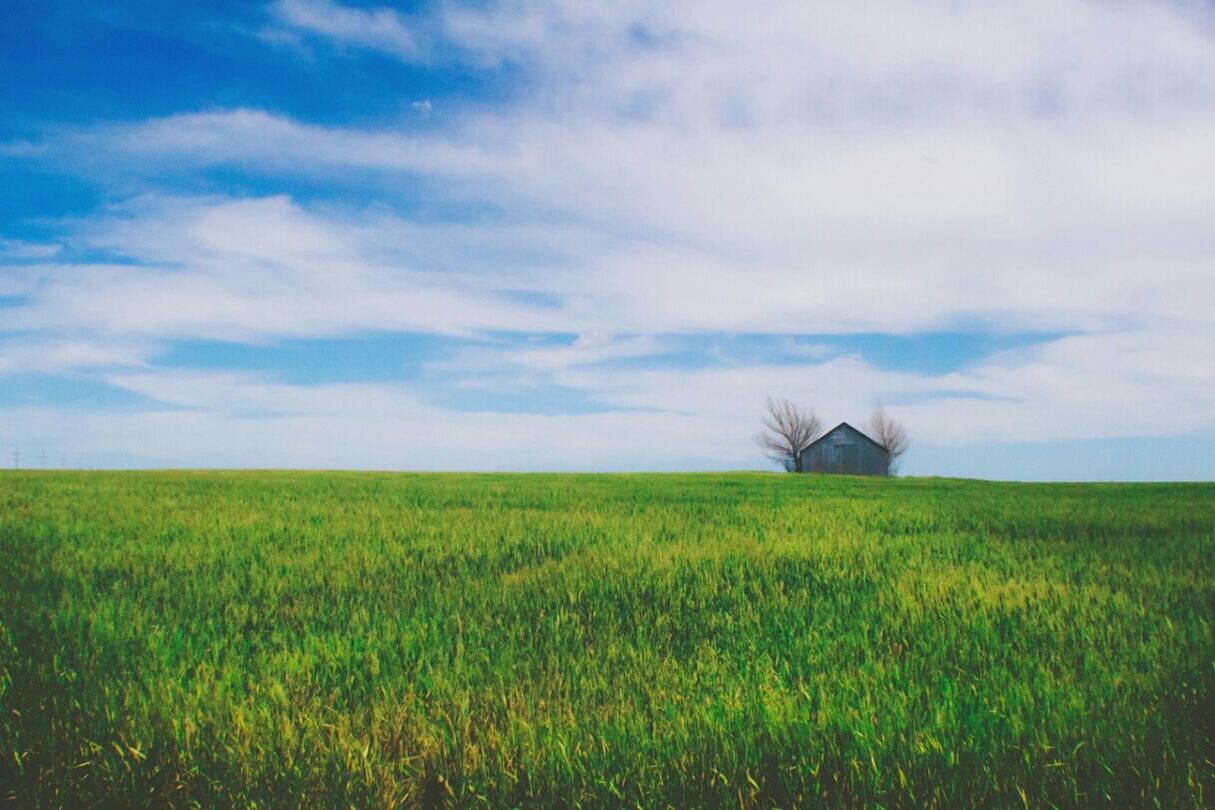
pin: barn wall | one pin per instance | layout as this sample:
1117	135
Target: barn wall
844	450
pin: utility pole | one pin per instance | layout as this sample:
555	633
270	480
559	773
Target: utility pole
16	458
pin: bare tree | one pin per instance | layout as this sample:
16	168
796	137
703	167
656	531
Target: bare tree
788	430
891	435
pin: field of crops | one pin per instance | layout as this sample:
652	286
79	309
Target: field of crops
336	639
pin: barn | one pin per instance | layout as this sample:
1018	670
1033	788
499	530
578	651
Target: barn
844	449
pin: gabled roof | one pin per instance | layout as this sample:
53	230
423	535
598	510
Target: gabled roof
860	433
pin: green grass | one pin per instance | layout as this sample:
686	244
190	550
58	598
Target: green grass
261	639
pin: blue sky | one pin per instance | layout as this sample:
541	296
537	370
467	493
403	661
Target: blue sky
587	236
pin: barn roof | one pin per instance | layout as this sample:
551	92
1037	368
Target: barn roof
861	433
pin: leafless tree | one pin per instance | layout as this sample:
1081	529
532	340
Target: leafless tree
891	435
787	431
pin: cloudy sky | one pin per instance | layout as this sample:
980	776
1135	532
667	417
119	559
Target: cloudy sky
594	236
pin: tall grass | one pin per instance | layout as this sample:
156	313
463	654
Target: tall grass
260	639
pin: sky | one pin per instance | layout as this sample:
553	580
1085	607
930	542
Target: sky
595	236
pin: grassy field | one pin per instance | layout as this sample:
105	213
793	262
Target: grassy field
756	640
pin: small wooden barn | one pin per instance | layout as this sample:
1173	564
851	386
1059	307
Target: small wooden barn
844	449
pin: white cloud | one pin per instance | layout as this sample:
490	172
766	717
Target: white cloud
588	349
813	231
19	250
1091	386
727	62
59	355
248	270
235	420
258	138
1123	384
381	29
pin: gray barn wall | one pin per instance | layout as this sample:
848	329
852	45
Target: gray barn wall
846	450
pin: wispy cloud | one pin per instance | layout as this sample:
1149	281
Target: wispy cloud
805	230
379	29
250	269
650	420
589	349
18	250
46	355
